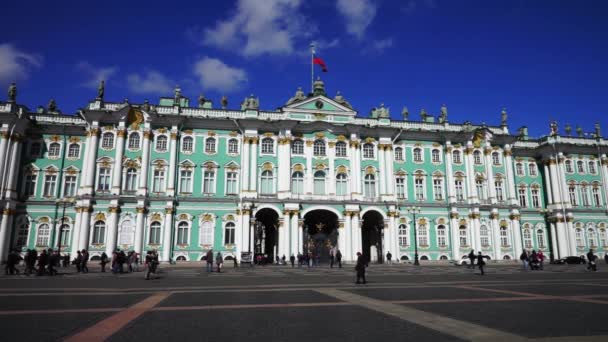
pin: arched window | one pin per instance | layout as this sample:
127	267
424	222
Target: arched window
592	167
504	237
107	140
435	156
229	233
54	149
319	148
73	150
297	147
99	232
267	146
443	257
484	236
188	144
459	187
417	155
580	166
591	237
65	235
519	169
423	235
403	240
341	184
456	158
210	145
231	182
603	238
154	237
370	186
319	183
267	182
540	238
477	157
580	241
340	149
523	196
495	158
133	141
463	235
206	237
131	183
569	168
182	233
158	181
368	150
127	233
161	143
22	234
400	186
44	233
233	146
441	236
424	257
532	169
527	238
297	183
398	154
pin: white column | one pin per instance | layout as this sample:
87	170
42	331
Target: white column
556	191
139	229
90	174
470	170
548	184
5	232
562	181
516	229
117	171
245	165
4	143
294	237
571	235
358	168
391	235
76	229
455	234
145	165
331	174
301	235
85	224
510	186
382	170
112	232
284	235
13	171
347	250
604	167
85	165
238	234
168	232
563	241
253	181
245	229
342	236
496	235
554	243
490	175
309	170
390	171
284	167
450	173
356	235
172	162
476	227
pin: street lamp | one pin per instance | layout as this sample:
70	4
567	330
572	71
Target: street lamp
415	210
546	212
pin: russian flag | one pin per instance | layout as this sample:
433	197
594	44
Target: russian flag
319	61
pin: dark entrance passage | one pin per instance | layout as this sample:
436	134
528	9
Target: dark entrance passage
265	234
320	233
372	230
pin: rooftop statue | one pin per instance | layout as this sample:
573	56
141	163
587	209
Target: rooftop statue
341	100
201	101
52	106
177	96
299	96
579	131
318	87
383	112
146	105
250	102
101	90
568	129
12	92
503	117
554	129
224	102
597	130
423	114
443	116
405	113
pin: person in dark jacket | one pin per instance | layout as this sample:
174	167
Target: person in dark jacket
592	261
389	258
472	259
360	268
12	260
209	258
480	262
104	261
339	258
43	260
292	259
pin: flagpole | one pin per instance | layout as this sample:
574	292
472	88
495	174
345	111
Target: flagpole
312	66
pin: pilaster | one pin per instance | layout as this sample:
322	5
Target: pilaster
172	161
117	170
167	232
145	164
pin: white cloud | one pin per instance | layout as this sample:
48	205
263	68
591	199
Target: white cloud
151	82
16	64
261	27
94	75
215	74
358	14
383	44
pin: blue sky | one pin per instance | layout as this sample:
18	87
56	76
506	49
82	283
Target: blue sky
541	60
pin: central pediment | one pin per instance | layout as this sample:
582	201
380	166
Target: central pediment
319	104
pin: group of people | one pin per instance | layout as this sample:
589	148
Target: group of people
533	260
118	261
477	260
44	263
219	261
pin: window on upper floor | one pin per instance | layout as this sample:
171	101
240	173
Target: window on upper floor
188	144
484	236
585	195
54	150
480	185
340	149
297	183
580	166
572	194
532	169
535	198
569	168
210	145
368	151
523	197
107	140
369	188
417	155
398	154
267	182
267	146
297	147
73	150
519	169
592	168
161	143
435	156
456	157
498	187
597	197
134	139
319	183
477	157
341	184
459	187
233	146
419	188
400	186
495	158
319	148
438	189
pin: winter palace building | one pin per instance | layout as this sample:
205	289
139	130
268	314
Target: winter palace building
310	176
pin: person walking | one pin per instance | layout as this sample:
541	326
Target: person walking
42	261
339	258
300	259
389	257
85	259
11	261
209	258
360	269
480	262
606	257
472	259
30	261
219	261
292	259
524	259
152	263
283	260
53	261
592	261
103	262
541	259
78	261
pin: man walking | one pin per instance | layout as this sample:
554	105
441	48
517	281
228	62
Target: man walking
331	258
524	259
209	258
592	262
339	258
480	262
292	259
360	269
389	258
219	260
472	259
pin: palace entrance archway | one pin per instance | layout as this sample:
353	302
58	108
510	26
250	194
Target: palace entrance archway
320	233
372	231
265	234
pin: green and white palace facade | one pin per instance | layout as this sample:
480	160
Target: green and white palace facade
311	175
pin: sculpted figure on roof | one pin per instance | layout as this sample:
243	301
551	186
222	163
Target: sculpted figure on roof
341	100
299	96
12	92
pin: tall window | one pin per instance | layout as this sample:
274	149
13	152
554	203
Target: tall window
158	182
456	157
267	146
182	233
459	190
154	237
231	183
441	236
435	156
30	185
131	184
603	238
319	183
209	182
572	193
438	189
523	200
403	235
535	198
500	197
495	158
368	151
398	154
597	198
210	145
519	169
417	155
297	147
206	235
229	233
580	166
54	149
370	186
591	237
463	235
504	237
233	146
188	144
569	168
44	233
423	235
319	148
133	143
22	234
99	232
50	182
419	188
73	151
185	181
540	238
65	235
585	195
103	180
580	241
592	167
267	182
532	169
481	189
527	238
341	184
484	236
107	140
340	149
400	185
297	183
69	188
161	143
35	148
477	157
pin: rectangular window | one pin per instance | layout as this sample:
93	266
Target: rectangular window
341	185
481	190
185	181
459	190
231	180
597	199
438	189
535	198
462	234
50	183
499	193
30	185
69	189
158	182
341	150
523	202
400	184
441	240
585	196
208	182
419	188
103	183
